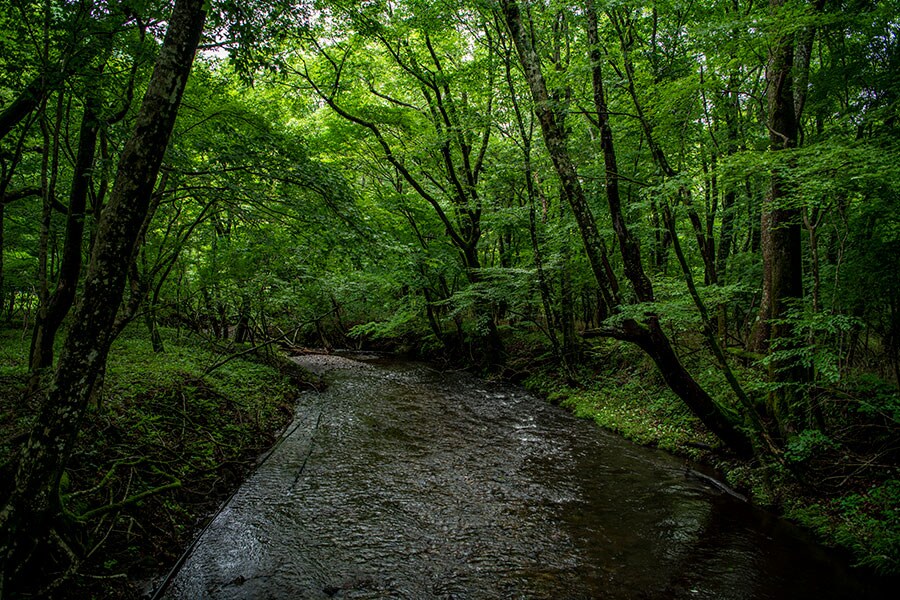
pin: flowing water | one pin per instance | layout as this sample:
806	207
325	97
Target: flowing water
403	482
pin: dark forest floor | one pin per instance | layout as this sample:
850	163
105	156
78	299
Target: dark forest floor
164	438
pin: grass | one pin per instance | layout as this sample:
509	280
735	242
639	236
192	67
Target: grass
628	398
163	444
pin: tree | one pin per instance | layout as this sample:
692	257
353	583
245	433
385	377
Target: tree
33	508
648	335
781	224
447	172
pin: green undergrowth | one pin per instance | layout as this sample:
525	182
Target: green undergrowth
14	419
163	443
631	400
867	522
844	485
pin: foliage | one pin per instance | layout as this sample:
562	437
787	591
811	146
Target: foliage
810	442
872	396
625	397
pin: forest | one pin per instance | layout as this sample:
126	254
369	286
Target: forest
679	218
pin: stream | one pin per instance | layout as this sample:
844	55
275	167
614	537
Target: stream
400	481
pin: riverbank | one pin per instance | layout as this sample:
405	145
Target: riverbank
170	440
843	484
165	442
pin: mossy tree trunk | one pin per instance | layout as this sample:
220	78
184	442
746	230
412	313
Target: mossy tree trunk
32	511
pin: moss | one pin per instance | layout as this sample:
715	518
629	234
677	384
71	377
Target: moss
635	407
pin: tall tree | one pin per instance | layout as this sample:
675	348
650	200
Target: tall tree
448	171
33	508
780	229
647	335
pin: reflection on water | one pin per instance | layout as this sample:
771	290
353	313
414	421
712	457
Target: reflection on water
402	482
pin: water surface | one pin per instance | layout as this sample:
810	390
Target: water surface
403	482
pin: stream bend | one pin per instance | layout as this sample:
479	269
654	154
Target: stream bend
400	481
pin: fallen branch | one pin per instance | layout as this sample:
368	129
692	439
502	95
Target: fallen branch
252	349
113	506
106	478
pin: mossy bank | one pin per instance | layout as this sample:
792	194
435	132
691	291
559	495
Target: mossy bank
841	482
165	440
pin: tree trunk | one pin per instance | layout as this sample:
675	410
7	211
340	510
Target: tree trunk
543	286
153	328
566	302
780	232
63	297
729	198
555	141
241	330
33	508
726	233
432	319
653	341
661	240
49	171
